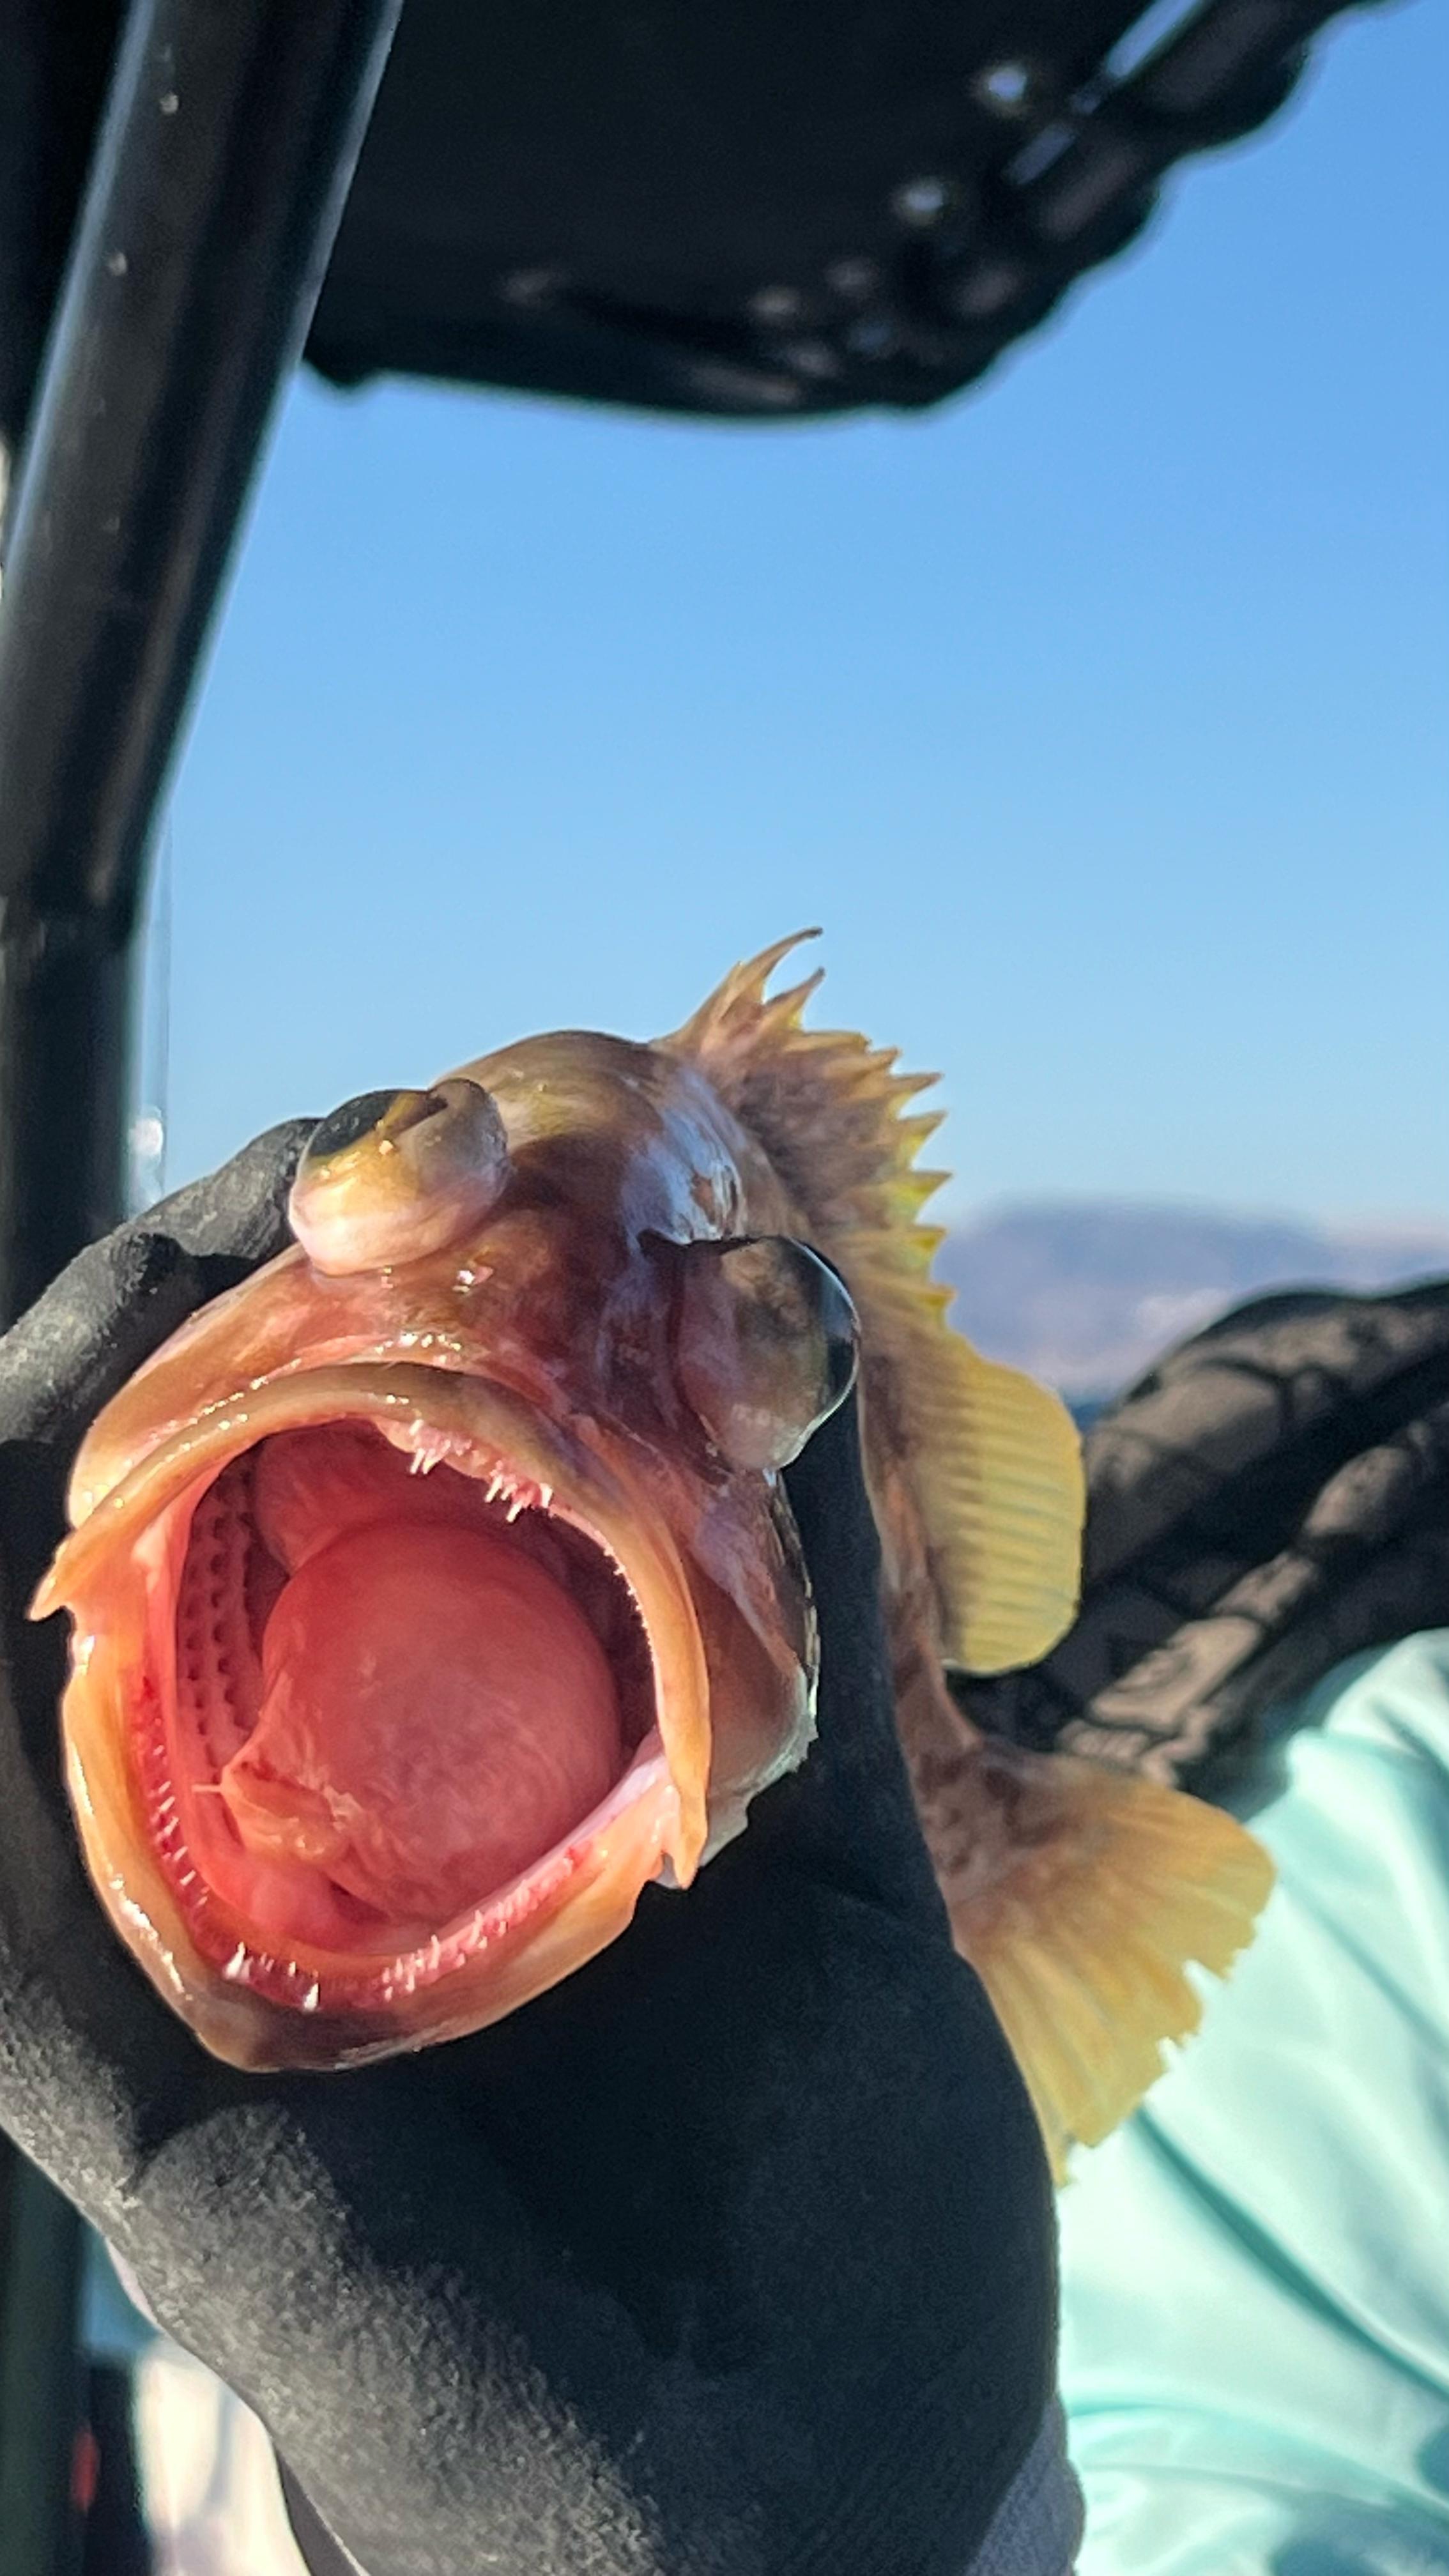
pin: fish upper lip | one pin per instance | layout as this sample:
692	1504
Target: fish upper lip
448	1412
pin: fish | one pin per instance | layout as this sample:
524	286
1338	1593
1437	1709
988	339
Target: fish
435	1591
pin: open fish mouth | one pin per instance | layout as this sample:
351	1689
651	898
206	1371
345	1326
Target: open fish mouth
387	1699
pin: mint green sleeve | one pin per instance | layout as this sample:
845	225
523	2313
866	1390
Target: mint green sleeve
1256	2268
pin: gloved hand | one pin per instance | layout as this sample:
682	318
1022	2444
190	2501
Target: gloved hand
1271	1498
732	2256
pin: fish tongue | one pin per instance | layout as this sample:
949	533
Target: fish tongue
435	1715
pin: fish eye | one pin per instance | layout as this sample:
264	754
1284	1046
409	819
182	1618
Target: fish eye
766	1345
395	1175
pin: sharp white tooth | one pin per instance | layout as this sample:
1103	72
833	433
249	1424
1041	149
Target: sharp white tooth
516	1506
236	1966
312	1997
545	1497
494	1482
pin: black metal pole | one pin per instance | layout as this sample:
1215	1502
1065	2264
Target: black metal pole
221	164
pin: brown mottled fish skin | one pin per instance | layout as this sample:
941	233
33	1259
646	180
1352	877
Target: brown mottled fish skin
540	1347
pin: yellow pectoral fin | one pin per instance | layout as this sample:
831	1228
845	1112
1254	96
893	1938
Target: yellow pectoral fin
1083	1895
1003	1500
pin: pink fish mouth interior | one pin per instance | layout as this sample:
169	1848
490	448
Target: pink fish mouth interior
396	1697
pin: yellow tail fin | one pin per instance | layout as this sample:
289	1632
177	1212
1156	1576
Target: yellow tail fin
1079	1896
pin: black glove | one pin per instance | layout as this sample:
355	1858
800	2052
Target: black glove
735	2253
1272	1497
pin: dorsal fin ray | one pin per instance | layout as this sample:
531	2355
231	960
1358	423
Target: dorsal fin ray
991	1460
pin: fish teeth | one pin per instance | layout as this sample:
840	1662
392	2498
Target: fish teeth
236	1966
312	1997
428	1448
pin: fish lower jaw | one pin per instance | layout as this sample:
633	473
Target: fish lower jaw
346	2011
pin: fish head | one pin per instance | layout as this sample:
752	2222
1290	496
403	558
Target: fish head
435	1590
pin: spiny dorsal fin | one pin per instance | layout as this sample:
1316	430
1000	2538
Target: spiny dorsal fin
991	1460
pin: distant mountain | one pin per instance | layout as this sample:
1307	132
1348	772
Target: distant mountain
1087	1293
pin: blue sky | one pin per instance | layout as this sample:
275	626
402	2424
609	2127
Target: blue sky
1099	717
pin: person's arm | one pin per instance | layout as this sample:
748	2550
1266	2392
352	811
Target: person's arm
1256	2310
